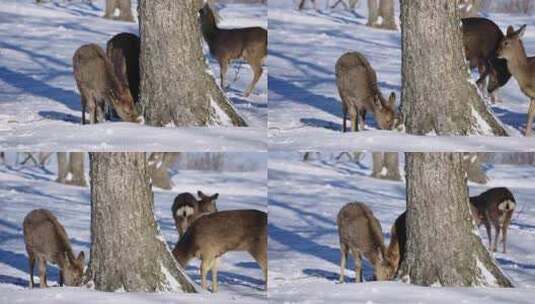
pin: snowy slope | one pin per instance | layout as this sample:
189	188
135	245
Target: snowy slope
304	199
39	101
23	189
304	107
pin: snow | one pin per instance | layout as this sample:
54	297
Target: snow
40	103
304	107
304	199
24	188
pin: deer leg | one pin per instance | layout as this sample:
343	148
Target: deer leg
204	272
531	115
215	264
259	254
223	65
257	70
83	102
353	115
31	260
42	272
358	265
496	236
504	237
344	116
343	259
60	277
486	222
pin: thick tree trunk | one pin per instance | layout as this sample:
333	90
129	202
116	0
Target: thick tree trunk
124	7
76	169
159	164
176	86
443	246
386	10
438	96
63	167
127	251
386	165
373	12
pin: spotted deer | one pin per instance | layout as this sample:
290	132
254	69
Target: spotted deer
213	235
46	241
521	66
357	86
226	45
186	209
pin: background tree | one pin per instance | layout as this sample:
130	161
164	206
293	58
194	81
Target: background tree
126	248
159	164
124	7
386	165
441	246
436	94
176	85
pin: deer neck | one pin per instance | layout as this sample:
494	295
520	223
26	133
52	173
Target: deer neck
519	66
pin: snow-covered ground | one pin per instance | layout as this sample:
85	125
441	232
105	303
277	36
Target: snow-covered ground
23	189
304	199
40	104
304	107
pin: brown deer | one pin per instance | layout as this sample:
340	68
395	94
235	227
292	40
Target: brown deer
356	81
481	38
521	66
186	209
123	52
395	252
99	86
212	235
46	240
226	45
494	206
360	233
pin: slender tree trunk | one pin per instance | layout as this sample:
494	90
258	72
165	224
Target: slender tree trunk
176	85
443	246
437	96
123	6
76	169
159	164
387	11
63	167
373	12
127	251
386	165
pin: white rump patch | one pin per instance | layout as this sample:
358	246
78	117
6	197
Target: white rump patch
185	211
507	205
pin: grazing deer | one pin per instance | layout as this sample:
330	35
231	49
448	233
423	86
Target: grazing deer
481	38
212	235
360	233
230	44
99	86
46	240
356	81
395	252
123	52
522	67
186	209
494	206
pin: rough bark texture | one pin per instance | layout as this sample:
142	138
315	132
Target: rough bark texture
176	85
76	168
124	7
63	167
437	95
386	10
127	251
159	164
442	245
386	165
373	12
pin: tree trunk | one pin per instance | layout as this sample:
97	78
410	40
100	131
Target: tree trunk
159	164
387	11
474	171
373	12
63	167
76	169
438	96
127	251
123	6
443	247
386	165
176	85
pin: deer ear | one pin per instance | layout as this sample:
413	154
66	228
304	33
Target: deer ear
200	194
380	256
81	257
521	31
215	196
377	102
392	99
510	31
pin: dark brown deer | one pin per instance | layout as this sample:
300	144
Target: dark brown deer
226	45
46	240
521	66
395	252
356	81
99	86
481	39
494	206
123	52
186	209
212	235
361	235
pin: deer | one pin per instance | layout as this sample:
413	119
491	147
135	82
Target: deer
47	241
186	209
226	45
521	66
214	234
123	52
361	235
481	38
494	206
99	86
357	86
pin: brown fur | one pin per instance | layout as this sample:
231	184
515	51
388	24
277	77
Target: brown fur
46	240
123	52
356	81
212	235
398	241
360	233
226	45
99	86
489	208
521	66
186	209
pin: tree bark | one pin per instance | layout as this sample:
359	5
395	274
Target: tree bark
386	10
373	12
76	169
176	86
63	167
127	251
159	164
386	165
123	6
438	96
443	246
